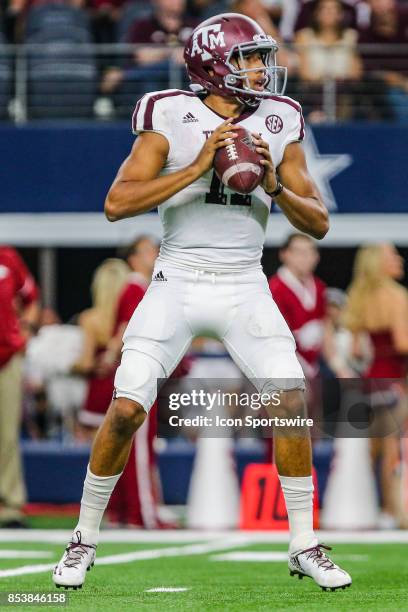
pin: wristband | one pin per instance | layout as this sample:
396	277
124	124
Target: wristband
278	190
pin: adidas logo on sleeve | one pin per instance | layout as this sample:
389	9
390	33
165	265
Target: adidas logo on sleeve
189	118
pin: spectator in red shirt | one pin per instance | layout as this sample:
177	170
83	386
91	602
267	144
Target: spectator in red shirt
19	313
299	295
140	255
134	500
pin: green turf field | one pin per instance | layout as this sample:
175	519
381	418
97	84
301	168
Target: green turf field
379	571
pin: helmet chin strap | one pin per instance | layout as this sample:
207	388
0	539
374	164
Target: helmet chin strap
251	102
249	99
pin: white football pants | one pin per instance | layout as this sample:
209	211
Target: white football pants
235	307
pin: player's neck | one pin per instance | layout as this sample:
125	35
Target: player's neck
227	107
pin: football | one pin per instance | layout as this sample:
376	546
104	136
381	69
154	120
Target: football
238	164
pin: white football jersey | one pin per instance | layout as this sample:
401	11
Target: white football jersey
206	225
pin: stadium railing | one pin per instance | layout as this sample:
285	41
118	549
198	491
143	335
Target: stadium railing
73	80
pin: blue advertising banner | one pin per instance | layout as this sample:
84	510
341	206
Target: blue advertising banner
69	167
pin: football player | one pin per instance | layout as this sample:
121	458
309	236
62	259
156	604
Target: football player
208	276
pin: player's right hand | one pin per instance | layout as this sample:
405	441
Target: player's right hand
222	136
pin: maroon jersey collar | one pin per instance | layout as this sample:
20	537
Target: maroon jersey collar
247	113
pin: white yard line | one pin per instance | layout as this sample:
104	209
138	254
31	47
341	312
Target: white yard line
257	556
62	536
24	554
273	556
139	555
168	590
27	569
336	537
174	551
139	536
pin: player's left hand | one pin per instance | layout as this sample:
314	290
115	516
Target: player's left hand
269	182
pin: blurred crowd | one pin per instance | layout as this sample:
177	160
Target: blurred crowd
350	51
63	385
57	378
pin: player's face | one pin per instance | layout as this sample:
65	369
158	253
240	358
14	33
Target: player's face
301	257
392	262
255	63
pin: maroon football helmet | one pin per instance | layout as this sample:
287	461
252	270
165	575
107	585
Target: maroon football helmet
212	46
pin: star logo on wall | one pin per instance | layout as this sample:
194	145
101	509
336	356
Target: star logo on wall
323	167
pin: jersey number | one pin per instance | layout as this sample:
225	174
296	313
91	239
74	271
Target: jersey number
217	195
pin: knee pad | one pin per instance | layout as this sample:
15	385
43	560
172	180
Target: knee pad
136	377
281	372
276	365
286	404
271	385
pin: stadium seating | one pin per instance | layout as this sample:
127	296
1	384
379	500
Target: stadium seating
62	72
51	17
131	12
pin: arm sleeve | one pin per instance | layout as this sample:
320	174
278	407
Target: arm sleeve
296	131
150	115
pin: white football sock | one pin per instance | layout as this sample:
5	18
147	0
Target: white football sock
298	493
95	497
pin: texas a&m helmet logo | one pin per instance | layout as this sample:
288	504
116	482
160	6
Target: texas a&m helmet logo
274	124
208	37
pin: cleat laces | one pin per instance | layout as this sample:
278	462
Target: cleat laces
76	551
316	554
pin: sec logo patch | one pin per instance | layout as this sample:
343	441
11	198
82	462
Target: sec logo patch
274	124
